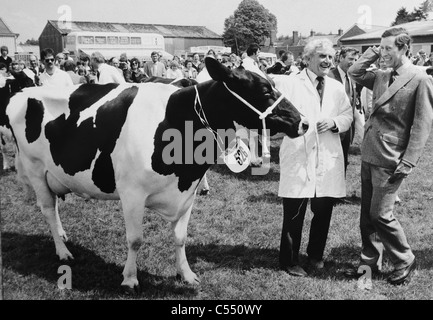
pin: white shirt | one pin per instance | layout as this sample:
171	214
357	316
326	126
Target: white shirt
59	78
109	74
251	65
174	74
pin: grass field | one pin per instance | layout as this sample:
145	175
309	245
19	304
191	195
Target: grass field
233	243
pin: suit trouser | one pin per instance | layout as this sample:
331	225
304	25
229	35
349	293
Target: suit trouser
379	227
294	212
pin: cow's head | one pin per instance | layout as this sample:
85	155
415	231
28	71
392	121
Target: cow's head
259	93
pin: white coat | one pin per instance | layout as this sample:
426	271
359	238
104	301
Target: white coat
313	164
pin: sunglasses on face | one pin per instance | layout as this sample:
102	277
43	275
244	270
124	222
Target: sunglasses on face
49	60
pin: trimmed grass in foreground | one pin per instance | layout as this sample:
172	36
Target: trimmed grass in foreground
233	243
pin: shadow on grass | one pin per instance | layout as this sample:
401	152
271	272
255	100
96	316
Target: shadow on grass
268	175
35	255
267	197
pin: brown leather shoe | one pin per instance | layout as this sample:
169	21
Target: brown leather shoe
402	276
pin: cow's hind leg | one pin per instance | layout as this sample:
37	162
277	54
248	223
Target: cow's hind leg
180	232
133	209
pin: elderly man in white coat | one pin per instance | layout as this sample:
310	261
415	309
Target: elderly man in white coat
312	166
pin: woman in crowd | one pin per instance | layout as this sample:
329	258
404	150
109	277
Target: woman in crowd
173	72
189	72
137	73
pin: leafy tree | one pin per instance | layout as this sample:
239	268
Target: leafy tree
250	23
418	14
402	17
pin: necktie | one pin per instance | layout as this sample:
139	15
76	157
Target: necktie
320	87
98	74
347	87
394	75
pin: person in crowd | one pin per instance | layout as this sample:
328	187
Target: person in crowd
312	166
263	64
4	58
137	73
60	58
421	58
196	62
85	60
70	67
347	57
155	67
234	59
67	55
115	63
278	65
395	136
15	66
285	65
226	61
53	76
429	62
104	72
35	68
251	61
189	72
174	72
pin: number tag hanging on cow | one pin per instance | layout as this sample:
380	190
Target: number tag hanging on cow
237	156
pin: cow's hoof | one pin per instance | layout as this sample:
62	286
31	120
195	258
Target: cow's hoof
134	291
204	192
65	256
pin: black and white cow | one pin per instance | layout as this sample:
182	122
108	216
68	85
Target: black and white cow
107	142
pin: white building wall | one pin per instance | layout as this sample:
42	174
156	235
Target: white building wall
9	42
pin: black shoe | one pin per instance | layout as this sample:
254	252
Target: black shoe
295	270
402	276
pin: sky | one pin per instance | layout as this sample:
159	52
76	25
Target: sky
29	17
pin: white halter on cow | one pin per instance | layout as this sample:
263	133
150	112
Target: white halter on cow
107	142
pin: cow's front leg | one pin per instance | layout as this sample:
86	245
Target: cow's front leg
180	232
133	209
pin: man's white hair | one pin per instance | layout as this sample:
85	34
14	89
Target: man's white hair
313	45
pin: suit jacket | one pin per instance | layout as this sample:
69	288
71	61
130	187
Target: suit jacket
401	116
160	71
354	101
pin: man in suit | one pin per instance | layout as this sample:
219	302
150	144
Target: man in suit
155	68
312	166
347	58
395	135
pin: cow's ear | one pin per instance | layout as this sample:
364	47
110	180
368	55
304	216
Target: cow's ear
217	70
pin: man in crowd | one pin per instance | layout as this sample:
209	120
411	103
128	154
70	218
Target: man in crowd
4	58
53	76
312	166
347	58
154	67
104	72
395	135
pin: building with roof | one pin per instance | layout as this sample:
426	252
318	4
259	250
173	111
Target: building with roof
297	42
177	39
8	38
420	31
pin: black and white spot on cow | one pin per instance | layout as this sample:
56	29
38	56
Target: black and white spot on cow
74	144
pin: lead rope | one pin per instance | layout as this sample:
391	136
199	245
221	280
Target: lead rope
204	121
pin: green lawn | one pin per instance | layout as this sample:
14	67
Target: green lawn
233	243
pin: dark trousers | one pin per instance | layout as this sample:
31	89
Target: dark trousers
346	140
294	212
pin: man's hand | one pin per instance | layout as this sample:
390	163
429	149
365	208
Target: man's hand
325	125
401	172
